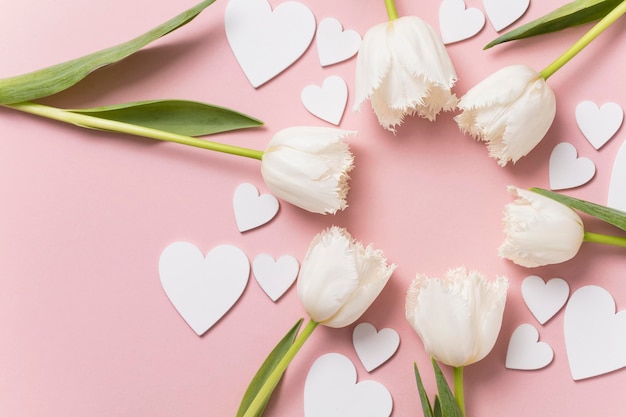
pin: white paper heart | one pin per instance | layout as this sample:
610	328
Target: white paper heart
275	276
566	170
617	186
457	23
331	390
374	347
266	42
327	102
201	288
544	299
599	124
502	13
595	335
525	352
251	209
335	44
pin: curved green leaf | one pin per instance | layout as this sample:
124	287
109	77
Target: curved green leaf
183	117
51	80
572	14
427	409
449	406
611	216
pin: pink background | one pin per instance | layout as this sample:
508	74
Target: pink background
85	326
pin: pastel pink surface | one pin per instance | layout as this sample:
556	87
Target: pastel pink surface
85	326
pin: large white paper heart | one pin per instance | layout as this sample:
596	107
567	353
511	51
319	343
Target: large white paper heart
201	288
266	42
457	23
251	209
502	13
595	335
566	170
327	102
374	347
335	44
599	124
275	276
544	299
617	186
330	390
525	352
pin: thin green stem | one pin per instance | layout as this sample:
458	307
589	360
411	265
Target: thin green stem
459	392
392	12
270	383
92	122
605	239
579	45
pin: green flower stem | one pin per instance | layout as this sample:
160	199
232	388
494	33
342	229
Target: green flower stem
270	383
87	121
459	392
593	33
392	12
605	239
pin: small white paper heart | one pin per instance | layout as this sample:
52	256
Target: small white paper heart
457	23
275	276
251	209
330	390
374	348
201	288
266	42
595	336
617	186
335	44
544	299
502	13
327	102
599	124
566	170
525	351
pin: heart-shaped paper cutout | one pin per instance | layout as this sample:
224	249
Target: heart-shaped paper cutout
566	170
275	276
599	124
595	335
544	299
525	351
251	209
335	44
331	390
457	23
502	13
327	102
617	187
266	42
374	347
201	288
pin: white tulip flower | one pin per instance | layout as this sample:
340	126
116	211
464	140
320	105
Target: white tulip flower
511	110
308	167
340	278
539	230
404	69
458	318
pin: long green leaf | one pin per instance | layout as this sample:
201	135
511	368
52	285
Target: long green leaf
426	407
266	369
614	217
183	117
51	80
449	406
572	14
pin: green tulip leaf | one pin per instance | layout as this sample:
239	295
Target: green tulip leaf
51	80
183	117
426	407
449	406
576	13
437	409
614	217
266	369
